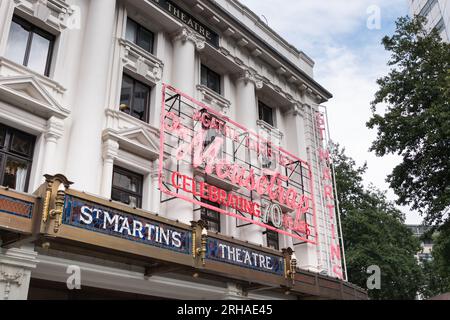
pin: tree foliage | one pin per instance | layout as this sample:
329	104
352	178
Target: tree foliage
416	124
437	271
374	234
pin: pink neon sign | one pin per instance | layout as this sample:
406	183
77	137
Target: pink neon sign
211	161
326	175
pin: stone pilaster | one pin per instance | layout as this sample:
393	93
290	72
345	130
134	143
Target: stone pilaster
110	151
15	272
185	44
155	193
54	132
85	163
246	85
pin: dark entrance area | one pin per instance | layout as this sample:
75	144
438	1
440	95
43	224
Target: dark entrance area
49	290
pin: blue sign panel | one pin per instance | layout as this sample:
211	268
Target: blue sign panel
97	218
231	253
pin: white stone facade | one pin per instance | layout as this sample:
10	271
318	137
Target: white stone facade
74	113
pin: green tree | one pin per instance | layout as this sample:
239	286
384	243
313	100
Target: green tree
374	234
437	271
416	122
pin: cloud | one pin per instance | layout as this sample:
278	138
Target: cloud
351	79
316	18
310	23
349	58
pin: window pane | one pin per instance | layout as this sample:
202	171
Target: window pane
2	136
126	198
272	239
39	52
122	181
120	196
145	40
127	182
273	245
125	95
265	113
204	76
21	144
214	81
131	31
214	227
212	214
15	175
209	137
17	43
211	217
140	101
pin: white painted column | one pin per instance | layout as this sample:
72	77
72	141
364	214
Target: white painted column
147	196
110	151
84	164
295	143
185	43
307	254
198	213
15	272
246	104
6	13
162	53
55	129
154	191
247	115
295	131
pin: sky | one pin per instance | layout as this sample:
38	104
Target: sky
343	37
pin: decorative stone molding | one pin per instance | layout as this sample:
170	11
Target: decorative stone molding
154	174
15	269
296	109
214	99
118	121
54	130
110	149
136	141
141	62
234	292
55	13
251	75
9	68
185	34
27	92
10	278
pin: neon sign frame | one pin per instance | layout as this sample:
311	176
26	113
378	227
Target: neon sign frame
303	227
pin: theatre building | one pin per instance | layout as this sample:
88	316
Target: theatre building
162	150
